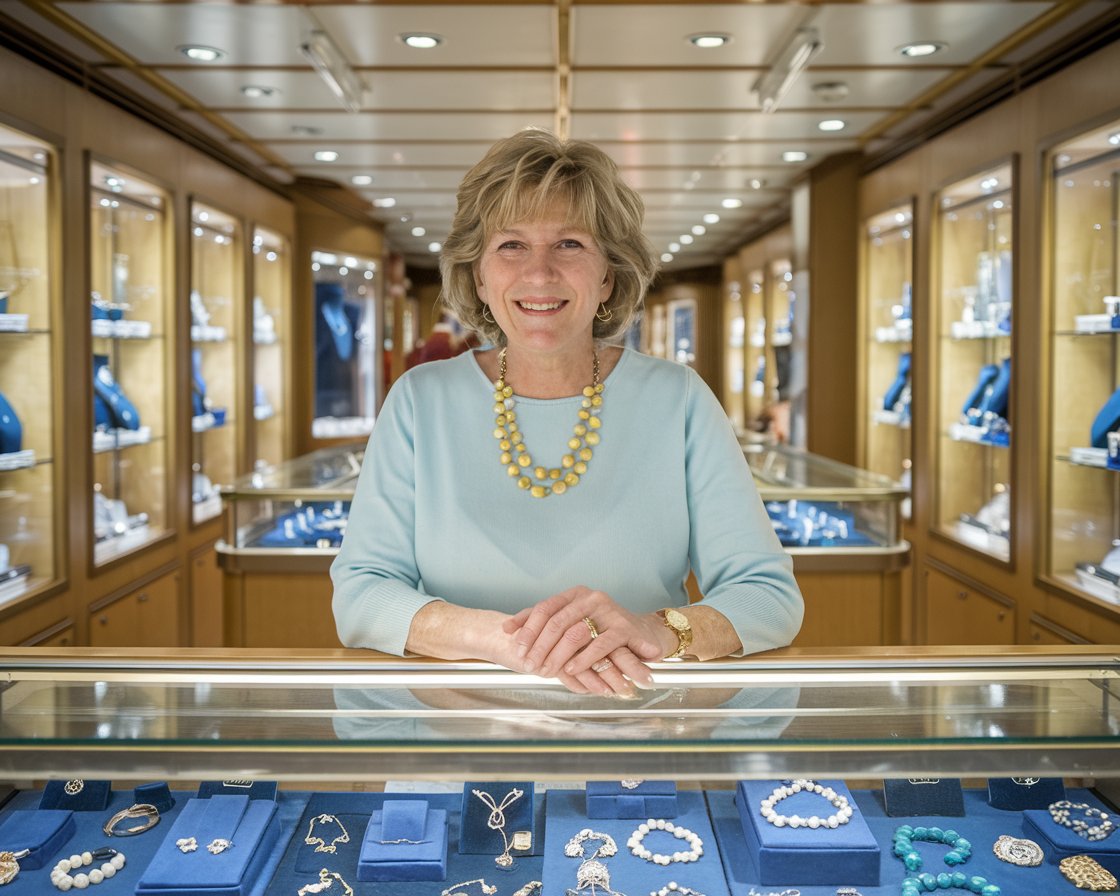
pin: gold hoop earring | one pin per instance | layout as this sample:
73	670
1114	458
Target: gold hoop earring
604	313
487	316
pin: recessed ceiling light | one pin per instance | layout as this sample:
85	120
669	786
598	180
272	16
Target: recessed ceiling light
420	41
711	218
666	257
1114	139
757	183
199	53
362	180
989	183
709	40
794	155
418	231
919	49
731	203
686	239
258	91
699	229
384	202
674	247
831	91
832	124
306	130
326	155
434	247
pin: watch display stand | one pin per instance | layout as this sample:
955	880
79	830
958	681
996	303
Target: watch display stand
1017	794
848	854
643	799
405	840
913	797
251	826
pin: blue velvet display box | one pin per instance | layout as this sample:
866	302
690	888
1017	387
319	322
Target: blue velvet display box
476	837
650	799
1058	842
405	840
1018	794
93	796
42	831
914	797
848	854
255	790
251	825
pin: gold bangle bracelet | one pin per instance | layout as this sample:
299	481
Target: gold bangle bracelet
146	811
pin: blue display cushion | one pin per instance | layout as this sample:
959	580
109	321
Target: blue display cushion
650	799
1058	842
381	860
230	873
915	797
43	831
848	854
255	790
1018	794
477	838
93	797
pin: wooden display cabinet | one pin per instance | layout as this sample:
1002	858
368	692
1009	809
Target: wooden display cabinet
755	364
888	276
271	348
1084	472
734	344
973	312
217	295
129	341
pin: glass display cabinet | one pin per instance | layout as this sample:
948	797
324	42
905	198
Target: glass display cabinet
28	467
347	345
888	275
131	341
681	321
282	746
271	347
1084	513
781	302
973	299
217	293
754	299
734	321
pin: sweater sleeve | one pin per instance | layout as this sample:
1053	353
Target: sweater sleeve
742	569
375	575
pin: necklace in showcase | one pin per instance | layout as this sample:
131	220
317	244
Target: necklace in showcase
540	481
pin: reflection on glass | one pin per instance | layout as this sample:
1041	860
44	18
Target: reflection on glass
346	359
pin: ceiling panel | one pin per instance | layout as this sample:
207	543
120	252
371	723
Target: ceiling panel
488	126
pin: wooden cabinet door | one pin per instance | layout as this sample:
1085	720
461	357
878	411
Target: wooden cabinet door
145	617
958	614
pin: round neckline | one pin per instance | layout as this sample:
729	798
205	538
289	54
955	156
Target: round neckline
521	399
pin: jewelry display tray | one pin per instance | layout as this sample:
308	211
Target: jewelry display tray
325	723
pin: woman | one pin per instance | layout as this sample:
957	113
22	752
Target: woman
539	503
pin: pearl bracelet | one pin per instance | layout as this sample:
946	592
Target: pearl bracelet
842	816
681	833
1081	825
60	874
674	889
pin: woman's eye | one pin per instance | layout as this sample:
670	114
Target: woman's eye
509	244
571	244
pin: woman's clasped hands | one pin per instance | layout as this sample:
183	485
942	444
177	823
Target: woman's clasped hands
589	642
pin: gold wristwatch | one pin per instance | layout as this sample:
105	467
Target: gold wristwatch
679	625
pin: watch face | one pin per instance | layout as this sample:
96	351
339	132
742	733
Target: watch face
676	619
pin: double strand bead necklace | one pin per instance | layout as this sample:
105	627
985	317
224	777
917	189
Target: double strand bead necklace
538	480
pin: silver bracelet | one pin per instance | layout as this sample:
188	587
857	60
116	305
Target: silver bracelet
146	811
574	847
681	833
674	889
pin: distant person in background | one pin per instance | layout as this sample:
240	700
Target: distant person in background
443	342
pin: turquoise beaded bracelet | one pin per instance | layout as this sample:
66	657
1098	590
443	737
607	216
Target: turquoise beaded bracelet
959	848
958	880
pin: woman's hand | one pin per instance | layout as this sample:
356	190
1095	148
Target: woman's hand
583	635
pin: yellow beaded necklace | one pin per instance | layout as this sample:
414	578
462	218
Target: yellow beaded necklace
515	456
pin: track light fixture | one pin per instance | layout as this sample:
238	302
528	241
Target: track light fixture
773	85
332	67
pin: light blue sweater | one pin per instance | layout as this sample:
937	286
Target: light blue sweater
435	515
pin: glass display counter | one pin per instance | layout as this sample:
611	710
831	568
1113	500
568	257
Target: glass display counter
979	745
974	313
1084	511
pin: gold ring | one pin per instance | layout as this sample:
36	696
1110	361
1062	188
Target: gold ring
602	666
591	627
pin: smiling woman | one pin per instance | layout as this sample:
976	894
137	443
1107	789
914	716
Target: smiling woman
447	555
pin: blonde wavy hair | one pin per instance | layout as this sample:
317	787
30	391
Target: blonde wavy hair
522	178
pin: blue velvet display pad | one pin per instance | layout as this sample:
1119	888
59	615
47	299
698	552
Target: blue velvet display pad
650	799
300	863
157	794
631	875
844	855
1057	841
253	828
923	796
43	831
93	797
255	790
1018	794
982	825
480	840
382	859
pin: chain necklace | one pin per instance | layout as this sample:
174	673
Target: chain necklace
540	481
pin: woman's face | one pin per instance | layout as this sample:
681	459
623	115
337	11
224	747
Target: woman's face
544	280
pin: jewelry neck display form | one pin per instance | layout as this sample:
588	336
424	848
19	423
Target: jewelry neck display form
514	455
497	820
